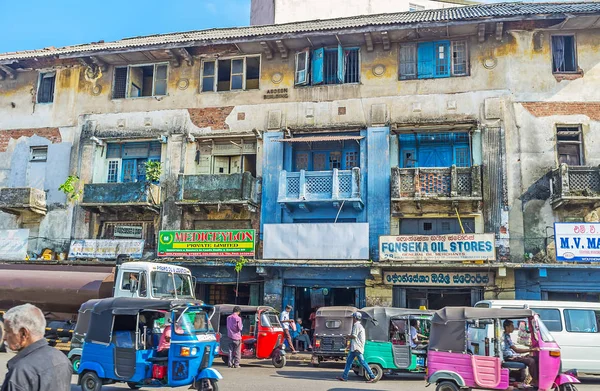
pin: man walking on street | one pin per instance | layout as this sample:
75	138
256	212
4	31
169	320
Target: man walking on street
285	322
357	348
234	331
37	366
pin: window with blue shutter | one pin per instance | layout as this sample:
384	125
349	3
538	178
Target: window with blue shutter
341	64
318	57
132	159
434	149
437	59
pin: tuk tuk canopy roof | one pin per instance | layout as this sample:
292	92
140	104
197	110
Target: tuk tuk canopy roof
228	309
342	311
462	314
377	320
101	321
449	329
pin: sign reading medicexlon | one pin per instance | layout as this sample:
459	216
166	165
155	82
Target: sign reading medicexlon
458	247
217	243
577	242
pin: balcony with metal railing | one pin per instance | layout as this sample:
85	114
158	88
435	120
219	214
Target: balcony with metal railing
112	197
306	188
207	191
436	184
575	185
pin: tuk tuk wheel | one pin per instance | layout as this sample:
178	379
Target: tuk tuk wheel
279	361
203	385
91	382
377	371
447	386
75	361
133	386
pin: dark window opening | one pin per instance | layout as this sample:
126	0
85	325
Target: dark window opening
435	226
569	145
427	226
232	74
140	81
46	87
564	54
328	66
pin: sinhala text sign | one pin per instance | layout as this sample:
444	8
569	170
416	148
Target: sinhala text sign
208	243
577	242
106	248
425	278
457	247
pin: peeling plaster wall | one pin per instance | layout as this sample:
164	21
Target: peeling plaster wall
515	71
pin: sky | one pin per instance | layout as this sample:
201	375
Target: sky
36	24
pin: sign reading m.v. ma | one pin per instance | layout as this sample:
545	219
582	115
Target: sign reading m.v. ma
458	247
217	243
577	242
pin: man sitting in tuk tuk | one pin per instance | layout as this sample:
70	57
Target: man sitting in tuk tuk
513	353
165	340
417	340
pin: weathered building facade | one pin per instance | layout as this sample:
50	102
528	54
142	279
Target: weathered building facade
325	137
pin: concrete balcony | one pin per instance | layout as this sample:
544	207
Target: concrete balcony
311	188
111	197
575	185
445	185
217	191
23	200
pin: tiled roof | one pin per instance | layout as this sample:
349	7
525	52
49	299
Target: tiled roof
501	10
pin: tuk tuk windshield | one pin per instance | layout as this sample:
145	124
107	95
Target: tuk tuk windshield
546	336
192	321
269	319
172	285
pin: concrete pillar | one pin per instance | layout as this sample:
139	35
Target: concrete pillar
172	166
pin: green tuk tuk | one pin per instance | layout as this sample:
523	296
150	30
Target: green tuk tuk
388	347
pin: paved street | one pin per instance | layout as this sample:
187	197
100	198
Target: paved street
300	376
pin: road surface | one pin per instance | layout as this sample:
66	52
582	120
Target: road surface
257	375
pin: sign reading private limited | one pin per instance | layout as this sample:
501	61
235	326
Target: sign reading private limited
207	243
425	278
577	242
457	247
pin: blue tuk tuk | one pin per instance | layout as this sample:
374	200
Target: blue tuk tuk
121	345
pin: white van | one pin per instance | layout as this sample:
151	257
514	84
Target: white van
574	325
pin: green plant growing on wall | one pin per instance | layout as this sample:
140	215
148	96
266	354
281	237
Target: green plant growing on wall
71	187
239	265
153	171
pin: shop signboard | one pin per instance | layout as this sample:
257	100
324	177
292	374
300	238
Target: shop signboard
128	231
456	247
13	244
577	242
437	278
207	243
106	248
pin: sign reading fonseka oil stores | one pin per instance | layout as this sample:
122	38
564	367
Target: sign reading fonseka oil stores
207	243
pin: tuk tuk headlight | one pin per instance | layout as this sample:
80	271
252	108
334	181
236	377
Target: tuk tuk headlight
194	351
217	350
184	352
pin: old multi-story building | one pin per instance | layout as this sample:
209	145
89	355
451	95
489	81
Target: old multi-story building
402	159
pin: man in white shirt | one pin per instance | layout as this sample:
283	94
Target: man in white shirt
284	318
415	338
357	348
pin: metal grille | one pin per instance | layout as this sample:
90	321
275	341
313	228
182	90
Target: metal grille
113	169
120	83
441	60
407	185
345	184
330	67
464	183
318	184
434	182
352	66
584	181
332	344
459	58
293	186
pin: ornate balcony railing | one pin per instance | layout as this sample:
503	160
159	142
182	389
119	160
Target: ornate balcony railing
575	184
444	184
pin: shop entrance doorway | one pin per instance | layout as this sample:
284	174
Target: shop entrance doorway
305	300
435	299
247	294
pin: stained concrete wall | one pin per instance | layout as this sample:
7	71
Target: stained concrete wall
499	74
